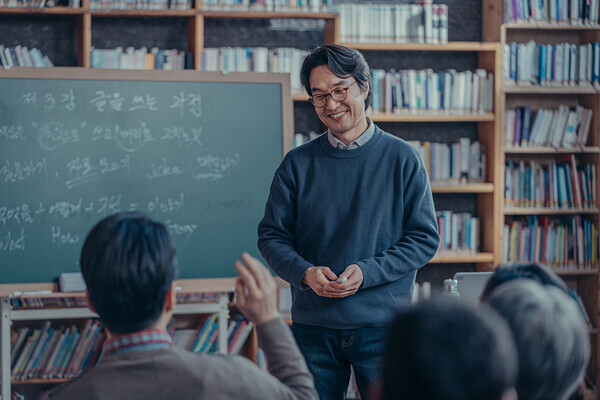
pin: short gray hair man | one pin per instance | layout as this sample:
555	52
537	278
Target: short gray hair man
551	337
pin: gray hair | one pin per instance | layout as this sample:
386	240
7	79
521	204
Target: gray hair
551	337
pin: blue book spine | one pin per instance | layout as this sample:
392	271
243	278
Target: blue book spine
513	61
542	63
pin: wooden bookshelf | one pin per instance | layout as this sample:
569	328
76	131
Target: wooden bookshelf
548	211
463	259
450	46
432	117
584	280
463	188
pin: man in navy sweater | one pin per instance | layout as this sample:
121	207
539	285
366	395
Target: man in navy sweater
348	221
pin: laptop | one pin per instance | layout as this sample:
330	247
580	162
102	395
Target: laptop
471	284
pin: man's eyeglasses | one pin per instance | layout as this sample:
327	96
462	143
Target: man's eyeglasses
339	94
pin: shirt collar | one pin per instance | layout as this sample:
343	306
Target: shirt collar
360	141
140	340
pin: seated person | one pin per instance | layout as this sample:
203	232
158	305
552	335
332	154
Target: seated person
446	350
129	266
537	272
550	334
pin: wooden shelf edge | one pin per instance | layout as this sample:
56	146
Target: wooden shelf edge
432	117
464	188
450	46
575	271
58	10
475	258
536	89
267	14
548	211
547	26
551	150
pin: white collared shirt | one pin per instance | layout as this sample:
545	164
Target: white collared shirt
360	141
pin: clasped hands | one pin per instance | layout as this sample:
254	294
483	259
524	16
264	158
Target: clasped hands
322	281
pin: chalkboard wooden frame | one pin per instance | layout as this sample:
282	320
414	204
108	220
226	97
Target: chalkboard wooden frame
202	284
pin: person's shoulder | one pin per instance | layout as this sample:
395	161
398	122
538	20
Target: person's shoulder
306	148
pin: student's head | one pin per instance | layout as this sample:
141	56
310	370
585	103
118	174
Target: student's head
446	350
331	67
550	334
534	271
128	264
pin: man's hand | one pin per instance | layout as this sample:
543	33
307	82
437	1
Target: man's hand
323	281
256	291
318	278
354	276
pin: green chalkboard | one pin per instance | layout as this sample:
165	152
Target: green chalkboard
194	150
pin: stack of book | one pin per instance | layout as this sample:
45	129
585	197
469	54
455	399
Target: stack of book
21	302
268	5
204	339
55	352
40	3
574	12
459	233
570	243
387	23
426	91
452	164
563	64
132	58
256	59
21	56
565	127
557	185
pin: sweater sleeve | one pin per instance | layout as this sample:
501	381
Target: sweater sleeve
418	244
275	231
285	361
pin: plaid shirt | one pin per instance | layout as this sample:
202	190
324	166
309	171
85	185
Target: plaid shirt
138	341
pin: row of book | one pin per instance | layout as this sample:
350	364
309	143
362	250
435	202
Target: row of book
453	163
565	127
55	352
388	23
257	59
566	244
131	58
141	4
21	56
27	302
574	12
459	233
301	138
268	5
557	185
563	64
204	338
427	91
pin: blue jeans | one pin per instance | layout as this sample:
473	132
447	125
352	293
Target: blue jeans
329	354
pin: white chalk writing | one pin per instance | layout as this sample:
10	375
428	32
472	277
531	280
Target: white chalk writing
212	167
11	132
163	170
182	136
8	243
16	171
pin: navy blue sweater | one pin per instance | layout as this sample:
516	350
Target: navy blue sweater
371	206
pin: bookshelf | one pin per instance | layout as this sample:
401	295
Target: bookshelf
15	315
583	278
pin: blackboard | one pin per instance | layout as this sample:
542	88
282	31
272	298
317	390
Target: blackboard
194	150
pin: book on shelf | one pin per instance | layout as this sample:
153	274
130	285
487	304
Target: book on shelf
564	127
268	5
574	12
459	233
423	22
21	56
430	92
139	59
548	65
555	185
453	163
566	243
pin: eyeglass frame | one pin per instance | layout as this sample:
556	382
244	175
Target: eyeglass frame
330	94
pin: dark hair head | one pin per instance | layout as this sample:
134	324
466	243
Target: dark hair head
536	272
128	264
342	62
446	350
